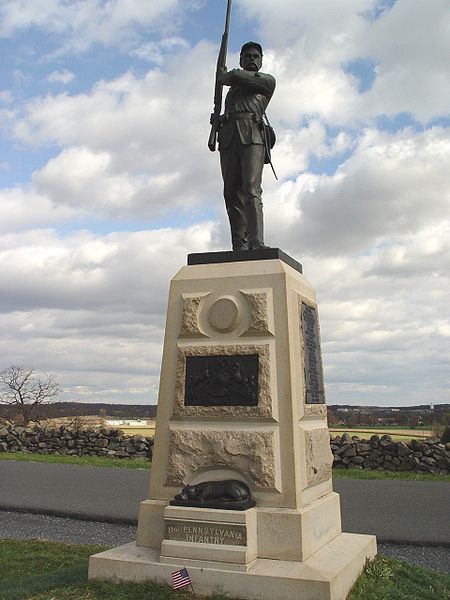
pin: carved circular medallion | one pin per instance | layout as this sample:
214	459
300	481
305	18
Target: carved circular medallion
223	314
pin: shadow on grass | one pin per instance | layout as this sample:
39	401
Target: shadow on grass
20	588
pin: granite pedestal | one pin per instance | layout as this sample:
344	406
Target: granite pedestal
241	397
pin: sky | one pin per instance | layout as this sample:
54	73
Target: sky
106	183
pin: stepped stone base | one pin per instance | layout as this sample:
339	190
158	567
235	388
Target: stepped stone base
242	398
328	574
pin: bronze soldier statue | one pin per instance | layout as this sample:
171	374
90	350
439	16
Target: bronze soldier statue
244	146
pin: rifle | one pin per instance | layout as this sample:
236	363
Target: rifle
221	62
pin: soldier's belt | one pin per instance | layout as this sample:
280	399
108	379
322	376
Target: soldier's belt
241	116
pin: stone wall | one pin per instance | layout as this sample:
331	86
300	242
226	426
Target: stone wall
79	442
380	453
426	455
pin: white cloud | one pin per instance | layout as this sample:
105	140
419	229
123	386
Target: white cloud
129	147
21	209
99	356
317	32
385	320
6	96
295	146
423	252
157	52
410	45
80	177
20	78
308	44
392	184
63	76
91	307
43	269
85	22
127	112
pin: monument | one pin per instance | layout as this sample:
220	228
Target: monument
240	490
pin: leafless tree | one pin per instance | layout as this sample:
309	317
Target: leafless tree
27	389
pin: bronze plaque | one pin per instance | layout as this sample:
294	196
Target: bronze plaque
204	532
313	357
219	380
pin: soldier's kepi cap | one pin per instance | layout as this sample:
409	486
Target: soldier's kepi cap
252	45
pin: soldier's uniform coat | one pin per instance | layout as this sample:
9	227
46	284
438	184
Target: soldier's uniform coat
242	153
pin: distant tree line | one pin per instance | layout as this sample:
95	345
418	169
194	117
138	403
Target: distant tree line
408	416
29	395
81	409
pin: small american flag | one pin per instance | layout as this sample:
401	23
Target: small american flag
180	579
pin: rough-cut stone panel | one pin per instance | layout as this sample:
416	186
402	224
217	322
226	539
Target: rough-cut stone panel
250	453
315	410
190	324
319	458
264	407
260	311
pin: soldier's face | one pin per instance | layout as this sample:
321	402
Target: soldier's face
251	60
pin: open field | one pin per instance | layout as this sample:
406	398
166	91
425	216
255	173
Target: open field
397	434
426	430
144	431
36	570
127	426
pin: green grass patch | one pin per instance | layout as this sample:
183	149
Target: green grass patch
35	570
374	474
126	463
86	461
394	579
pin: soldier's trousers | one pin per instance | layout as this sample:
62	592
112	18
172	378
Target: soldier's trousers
242	167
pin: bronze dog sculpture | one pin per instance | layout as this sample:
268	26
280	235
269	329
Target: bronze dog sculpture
230	490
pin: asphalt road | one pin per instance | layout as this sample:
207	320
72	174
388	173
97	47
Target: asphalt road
397	512
25	526
95	493
412	512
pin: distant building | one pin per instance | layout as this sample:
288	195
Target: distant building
129	422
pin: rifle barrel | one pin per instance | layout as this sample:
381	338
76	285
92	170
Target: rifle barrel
227	20
221	62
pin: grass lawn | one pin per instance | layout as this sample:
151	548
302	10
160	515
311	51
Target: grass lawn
35	570
374	474
128	463
86	461
393	579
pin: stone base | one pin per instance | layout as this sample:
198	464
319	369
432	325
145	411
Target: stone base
210	534
296	534
282	534
328	574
